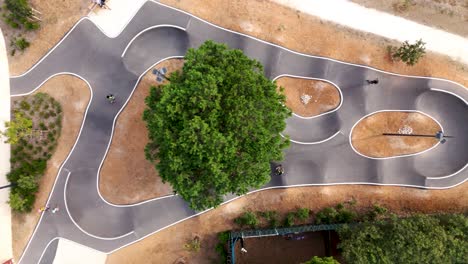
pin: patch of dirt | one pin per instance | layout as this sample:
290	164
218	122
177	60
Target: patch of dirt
309	97
448	15
368	140
64	89
57	18
136	179
166	246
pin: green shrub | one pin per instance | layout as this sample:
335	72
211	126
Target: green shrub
25	105
290	219
223	238
345	216
21	43
19	13
376	212
303	214
326	216
271	217
247	219
42	126
31	25
408	53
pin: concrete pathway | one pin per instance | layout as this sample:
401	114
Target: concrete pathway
352	15
321	155
6	251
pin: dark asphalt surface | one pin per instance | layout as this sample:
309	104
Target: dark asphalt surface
87	52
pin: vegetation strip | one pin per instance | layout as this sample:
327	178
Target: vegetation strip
33	132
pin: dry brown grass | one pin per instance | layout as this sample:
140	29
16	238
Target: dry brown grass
324	96
367	136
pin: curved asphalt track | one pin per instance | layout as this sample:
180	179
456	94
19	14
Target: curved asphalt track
322	154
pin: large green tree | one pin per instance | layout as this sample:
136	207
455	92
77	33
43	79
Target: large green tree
417	239
214	128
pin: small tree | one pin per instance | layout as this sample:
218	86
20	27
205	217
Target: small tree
409	53
18	128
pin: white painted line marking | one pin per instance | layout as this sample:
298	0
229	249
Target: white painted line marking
146	29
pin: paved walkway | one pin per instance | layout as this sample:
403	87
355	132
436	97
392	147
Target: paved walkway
5	212
322	154
352	15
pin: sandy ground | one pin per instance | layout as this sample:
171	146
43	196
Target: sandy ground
136	179
73	95
166	246
368	140
449	15
278	250
324	97
57	18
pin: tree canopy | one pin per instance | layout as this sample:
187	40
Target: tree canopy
417	239
214	128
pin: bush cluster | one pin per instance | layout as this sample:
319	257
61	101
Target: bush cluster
29	154
19	14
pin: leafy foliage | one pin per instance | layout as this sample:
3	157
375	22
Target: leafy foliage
18	128
247	219
215	127
409	53
302	214
221	247
21	43
271	217
322	260
330	215
30	152
417	239
290	219
19	14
